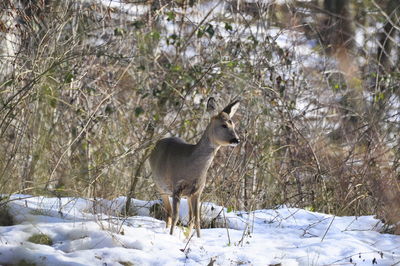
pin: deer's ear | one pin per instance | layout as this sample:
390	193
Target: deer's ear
231	108
211	104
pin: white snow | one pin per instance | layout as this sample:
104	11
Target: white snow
285	236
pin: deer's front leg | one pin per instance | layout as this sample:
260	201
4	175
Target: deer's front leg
195	202
191	216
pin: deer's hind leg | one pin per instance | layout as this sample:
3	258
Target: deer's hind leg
175	211
168	210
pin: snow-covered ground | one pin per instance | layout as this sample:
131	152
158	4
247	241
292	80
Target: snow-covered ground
285	236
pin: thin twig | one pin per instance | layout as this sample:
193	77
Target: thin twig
330	224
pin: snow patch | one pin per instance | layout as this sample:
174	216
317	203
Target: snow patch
93	232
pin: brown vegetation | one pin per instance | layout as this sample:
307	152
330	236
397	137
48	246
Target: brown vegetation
86	89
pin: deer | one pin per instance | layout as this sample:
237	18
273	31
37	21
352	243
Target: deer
179	169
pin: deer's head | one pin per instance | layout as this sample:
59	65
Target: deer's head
222	129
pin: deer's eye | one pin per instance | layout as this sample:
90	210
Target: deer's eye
224	126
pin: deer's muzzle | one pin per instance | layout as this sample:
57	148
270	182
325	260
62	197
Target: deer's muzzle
234	141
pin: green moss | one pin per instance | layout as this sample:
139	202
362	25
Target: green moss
41	239
126	263
25	263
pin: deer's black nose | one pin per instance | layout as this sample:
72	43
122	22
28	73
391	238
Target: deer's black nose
234	141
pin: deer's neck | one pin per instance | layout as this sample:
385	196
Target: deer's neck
205	149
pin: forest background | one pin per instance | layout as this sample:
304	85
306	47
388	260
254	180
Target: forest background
87	87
